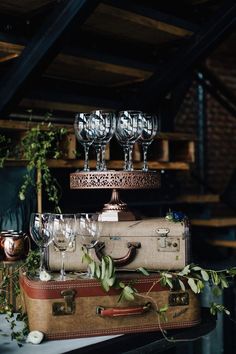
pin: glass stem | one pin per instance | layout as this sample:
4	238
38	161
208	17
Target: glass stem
41	264
98	153
103	162
62	272
86	157
145	164
130	162
125	148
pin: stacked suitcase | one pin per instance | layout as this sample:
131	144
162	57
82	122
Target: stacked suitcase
80	308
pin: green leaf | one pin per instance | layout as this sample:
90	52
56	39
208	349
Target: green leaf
193	285
164	308
98	271
196	268
105	285
181	285
110	266
103	270
122	285
224	283
143	271
128	293
185	271
92	267
205	275
216	291
111	281
169	282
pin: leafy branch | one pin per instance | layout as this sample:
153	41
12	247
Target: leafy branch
193	275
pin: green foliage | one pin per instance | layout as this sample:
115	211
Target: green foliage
39	144
30	265
105	273
4	148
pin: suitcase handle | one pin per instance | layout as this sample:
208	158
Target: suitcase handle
122	261
123	311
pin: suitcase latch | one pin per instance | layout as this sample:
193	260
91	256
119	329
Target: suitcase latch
163	237
179	299
67	307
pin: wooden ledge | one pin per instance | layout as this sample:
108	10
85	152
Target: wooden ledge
215	222
223	243
199	198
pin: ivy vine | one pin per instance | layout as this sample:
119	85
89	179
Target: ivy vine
39	144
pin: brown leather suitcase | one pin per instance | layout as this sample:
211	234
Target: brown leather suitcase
153	243
81	308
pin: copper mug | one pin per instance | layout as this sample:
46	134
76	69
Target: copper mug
15	244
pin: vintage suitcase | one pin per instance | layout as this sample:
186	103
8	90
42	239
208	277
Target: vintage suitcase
81	308
154	243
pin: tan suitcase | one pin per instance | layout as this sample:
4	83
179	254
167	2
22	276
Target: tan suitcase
154	243
81	308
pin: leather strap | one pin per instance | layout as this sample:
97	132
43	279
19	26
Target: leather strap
123	311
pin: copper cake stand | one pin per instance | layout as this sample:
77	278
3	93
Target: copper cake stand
115	210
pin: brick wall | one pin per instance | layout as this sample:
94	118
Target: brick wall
221	125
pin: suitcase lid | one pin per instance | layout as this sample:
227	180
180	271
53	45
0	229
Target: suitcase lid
146	227
88	287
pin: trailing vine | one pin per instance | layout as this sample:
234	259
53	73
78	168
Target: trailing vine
39	144
14	316
105	273
4	149
195	276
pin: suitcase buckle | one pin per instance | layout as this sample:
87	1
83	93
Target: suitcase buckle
67	307
179	299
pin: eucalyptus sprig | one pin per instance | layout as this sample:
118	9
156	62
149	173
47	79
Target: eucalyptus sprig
40	143
196	277
105	273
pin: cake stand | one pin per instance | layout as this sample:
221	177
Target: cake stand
115	209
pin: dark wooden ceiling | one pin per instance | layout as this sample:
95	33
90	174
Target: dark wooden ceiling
72	55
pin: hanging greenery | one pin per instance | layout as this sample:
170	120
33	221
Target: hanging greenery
40	143
4	148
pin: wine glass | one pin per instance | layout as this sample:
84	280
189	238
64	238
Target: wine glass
103	126
150	127
63	233
128	129
40	232
88	230
83	135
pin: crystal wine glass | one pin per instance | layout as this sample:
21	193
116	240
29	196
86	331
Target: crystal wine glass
128	130
41	234
103	126
150	127
88	230
83	135
63	233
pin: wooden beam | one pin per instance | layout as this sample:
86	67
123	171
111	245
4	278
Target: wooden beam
98	60
42	49
168	74
8	57
152	18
